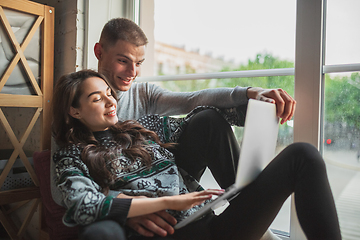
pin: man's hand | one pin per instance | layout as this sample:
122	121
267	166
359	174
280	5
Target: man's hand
160	223
285	104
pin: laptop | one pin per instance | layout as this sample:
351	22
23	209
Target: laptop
257	150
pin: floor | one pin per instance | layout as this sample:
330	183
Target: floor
348	206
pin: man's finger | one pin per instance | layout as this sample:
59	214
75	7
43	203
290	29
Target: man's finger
289	107
160	223
167	217
162	220
136	225
151	224
158	227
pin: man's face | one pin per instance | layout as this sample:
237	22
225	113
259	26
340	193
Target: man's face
120	63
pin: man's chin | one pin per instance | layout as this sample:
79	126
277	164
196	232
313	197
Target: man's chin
124	88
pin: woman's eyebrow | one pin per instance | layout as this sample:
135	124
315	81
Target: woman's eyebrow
97	92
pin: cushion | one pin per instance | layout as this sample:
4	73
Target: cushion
53	212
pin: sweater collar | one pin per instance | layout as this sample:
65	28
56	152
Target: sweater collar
102	134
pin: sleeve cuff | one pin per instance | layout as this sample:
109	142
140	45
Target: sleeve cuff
239	95
119	210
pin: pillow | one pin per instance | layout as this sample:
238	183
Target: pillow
53	212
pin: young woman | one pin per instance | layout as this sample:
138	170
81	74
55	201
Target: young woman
109	171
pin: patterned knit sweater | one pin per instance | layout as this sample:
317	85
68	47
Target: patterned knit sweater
83	197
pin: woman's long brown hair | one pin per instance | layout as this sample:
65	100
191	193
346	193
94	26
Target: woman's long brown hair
128	135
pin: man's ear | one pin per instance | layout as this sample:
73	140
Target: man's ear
74	112
98	51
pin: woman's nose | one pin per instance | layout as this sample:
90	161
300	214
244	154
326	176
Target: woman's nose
110	101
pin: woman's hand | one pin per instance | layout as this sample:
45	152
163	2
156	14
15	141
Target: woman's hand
142	205
161	223
189	200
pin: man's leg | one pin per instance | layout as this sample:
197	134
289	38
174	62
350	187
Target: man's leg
208	141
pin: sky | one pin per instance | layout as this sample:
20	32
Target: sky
238	29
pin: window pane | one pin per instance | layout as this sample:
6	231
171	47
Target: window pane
341	146
209	36
342	32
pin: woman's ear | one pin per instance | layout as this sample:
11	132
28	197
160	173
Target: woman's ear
74	112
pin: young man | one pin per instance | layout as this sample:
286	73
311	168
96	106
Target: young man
207	141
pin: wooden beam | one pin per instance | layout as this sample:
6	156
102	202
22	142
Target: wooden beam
18	195
47	73
11	100
24	6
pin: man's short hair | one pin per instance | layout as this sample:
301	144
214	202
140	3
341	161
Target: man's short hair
122	29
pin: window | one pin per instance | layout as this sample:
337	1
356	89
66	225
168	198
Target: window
262	26
228	37
233	35
341	135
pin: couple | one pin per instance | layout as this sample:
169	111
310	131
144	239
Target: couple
102	164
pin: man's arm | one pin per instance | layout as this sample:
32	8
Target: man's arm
172	103
164	102
145	98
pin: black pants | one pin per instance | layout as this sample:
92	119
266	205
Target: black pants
208	141
297	169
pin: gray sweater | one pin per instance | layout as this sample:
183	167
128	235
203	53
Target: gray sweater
145	98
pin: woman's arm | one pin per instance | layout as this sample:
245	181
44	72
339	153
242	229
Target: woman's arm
143	206
81	195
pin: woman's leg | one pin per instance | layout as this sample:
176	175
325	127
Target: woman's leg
298	169
104	230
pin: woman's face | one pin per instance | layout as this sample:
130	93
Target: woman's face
97	106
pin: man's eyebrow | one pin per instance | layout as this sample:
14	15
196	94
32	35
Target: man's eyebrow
122	55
